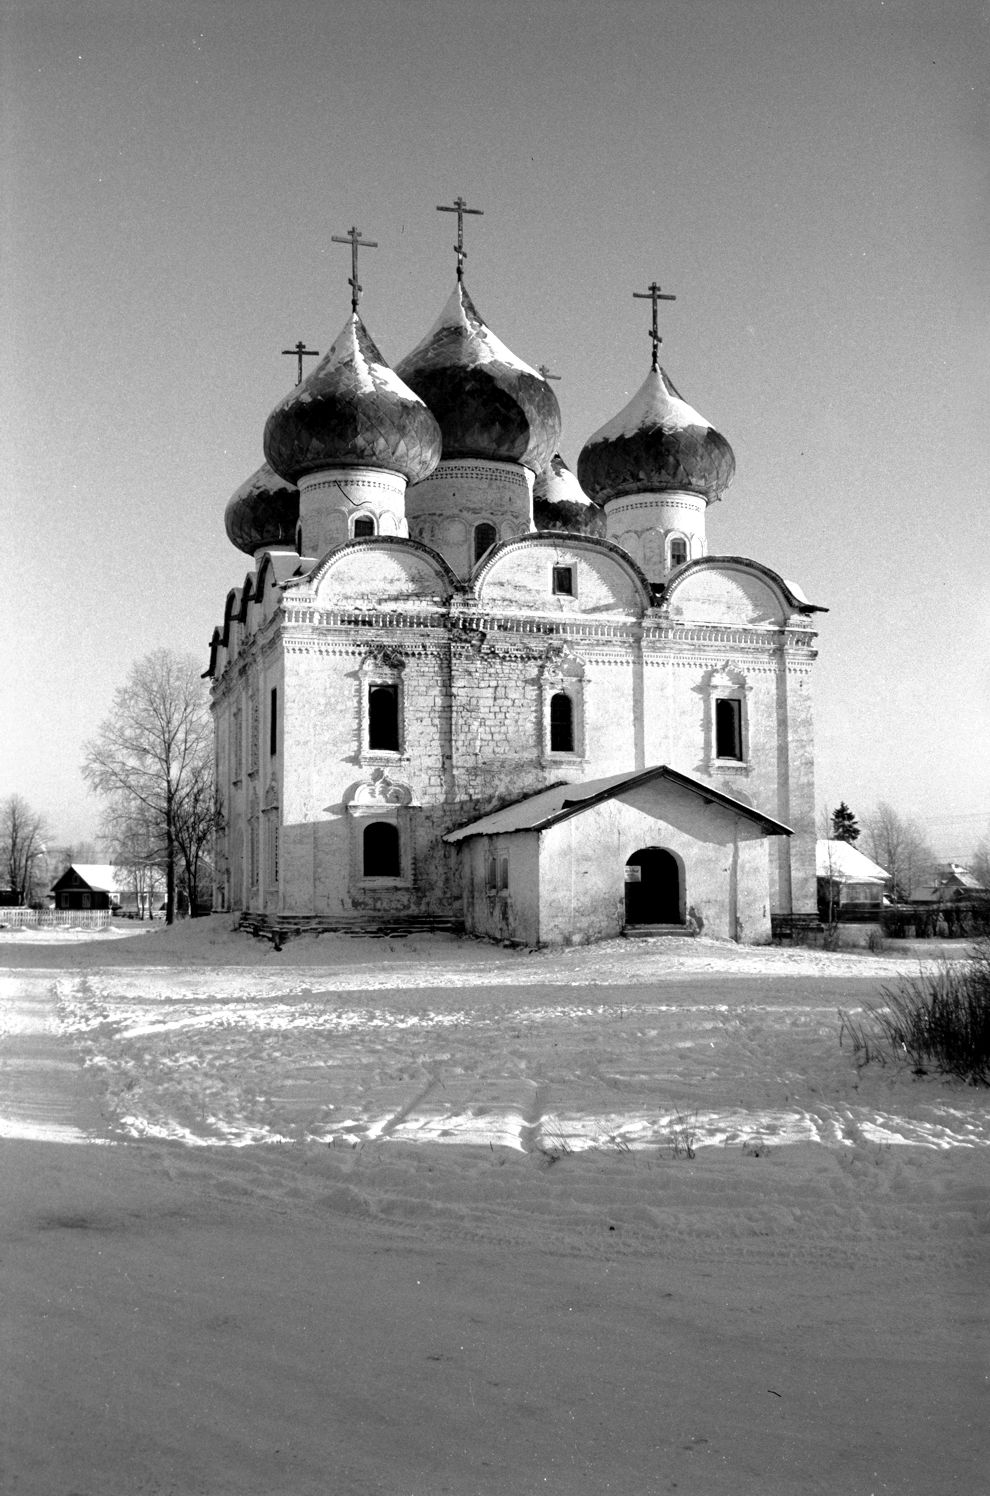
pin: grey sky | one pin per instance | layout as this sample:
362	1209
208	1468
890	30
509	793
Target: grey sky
808	178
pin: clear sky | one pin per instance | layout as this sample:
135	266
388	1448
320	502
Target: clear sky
809	177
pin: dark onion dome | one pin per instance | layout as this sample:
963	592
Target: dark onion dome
263	511
352	410
560	503
655	444
488	402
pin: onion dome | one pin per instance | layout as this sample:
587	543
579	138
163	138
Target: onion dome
657	443
263	511
352	410
560	503
488	402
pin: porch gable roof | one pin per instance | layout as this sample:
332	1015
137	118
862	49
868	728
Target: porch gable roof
548	807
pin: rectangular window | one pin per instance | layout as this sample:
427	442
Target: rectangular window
272	850
491	874
728	728
503	874
563	581
273	723
383	718
238	731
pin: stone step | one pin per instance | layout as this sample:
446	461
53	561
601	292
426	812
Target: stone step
634	932
370	925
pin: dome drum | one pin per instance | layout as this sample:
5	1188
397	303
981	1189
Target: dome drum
346	503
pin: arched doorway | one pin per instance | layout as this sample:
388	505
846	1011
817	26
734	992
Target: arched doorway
654	888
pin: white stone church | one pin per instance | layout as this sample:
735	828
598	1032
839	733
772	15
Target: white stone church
460	686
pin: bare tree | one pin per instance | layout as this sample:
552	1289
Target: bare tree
133	838
23	854
155	750
900	846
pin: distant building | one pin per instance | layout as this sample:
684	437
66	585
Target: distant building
460	683
86	886
848	879
952	883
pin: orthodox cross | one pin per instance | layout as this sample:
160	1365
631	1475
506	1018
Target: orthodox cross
299	352
460	207
353	238
655	294
544	372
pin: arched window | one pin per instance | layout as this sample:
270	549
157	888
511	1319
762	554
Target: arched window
485	537
678	551
561	723
381	850
363	525
383	718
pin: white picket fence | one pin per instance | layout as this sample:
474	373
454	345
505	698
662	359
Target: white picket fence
55	919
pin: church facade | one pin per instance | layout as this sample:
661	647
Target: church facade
460	683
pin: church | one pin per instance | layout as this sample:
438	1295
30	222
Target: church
463	687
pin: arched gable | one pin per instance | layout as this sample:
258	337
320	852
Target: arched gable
731	590
381	571
529	574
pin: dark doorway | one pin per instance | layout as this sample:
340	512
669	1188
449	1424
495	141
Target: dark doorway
653	888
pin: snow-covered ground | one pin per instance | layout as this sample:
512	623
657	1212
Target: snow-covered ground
466	1219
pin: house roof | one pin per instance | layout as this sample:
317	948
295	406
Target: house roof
99	876
546	808
844	863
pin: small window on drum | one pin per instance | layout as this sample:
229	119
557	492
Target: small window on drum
562	583
678	552
381	850
561	723
485	537
363	527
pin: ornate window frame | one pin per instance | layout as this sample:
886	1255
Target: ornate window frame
381	798
724	683
562	673
381	666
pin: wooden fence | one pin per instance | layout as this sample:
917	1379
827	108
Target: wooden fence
55	919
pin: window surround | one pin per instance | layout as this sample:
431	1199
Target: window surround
679	540
562	675
381	667
563	579
364	520
726	684
381	798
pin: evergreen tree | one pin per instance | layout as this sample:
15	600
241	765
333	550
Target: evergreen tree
845	826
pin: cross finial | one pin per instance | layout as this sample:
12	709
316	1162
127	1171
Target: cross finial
353	238
460	207
544	372
655	294
299	352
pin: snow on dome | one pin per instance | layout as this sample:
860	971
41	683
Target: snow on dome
657	442
560	503
352	410
489	403
263	511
